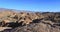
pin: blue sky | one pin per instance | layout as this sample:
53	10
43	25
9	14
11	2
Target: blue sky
32	5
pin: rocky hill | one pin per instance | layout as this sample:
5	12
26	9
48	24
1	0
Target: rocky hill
11	21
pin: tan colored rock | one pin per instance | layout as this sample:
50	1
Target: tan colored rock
48	22
27	21
6	21
3	28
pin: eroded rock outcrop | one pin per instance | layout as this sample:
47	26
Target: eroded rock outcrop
30	22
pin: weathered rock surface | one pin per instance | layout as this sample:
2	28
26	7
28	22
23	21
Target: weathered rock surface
29	21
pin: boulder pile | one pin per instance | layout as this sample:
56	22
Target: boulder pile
29	21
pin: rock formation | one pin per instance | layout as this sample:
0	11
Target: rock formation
29	21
